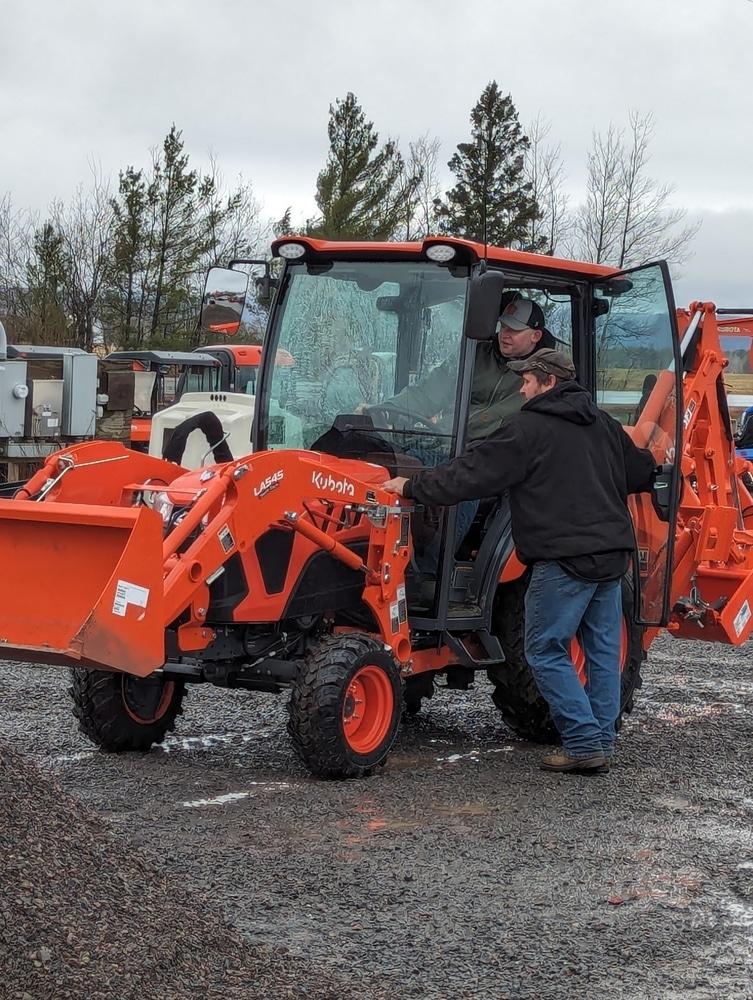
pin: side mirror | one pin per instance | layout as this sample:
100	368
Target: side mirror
224	301
484	300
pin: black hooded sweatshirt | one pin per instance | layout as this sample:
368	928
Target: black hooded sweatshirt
568	467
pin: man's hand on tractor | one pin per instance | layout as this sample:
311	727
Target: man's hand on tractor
395	485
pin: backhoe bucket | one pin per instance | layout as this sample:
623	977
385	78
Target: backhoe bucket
81	585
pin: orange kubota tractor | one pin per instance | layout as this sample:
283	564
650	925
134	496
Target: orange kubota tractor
293	569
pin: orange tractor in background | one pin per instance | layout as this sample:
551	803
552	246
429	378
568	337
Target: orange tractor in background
291	569
736	333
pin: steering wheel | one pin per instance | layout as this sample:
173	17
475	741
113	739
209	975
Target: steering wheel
410	421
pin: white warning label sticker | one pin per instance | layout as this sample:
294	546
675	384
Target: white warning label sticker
741	618
395	617
129	593
402	607
226	539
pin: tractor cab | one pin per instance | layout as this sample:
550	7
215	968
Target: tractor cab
388	342
160	377
239	367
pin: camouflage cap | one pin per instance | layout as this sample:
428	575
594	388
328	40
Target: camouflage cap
546	360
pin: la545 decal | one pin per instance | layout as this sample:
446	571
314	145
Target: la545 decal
269	484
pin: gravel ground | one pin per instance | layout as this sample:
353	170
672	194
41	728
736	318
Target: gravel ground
459	871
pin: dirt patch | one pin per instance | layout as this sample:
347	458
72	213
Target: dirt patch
84	914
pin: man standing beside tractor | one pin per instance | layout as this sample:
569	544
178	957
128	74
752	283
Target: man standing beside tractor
568	468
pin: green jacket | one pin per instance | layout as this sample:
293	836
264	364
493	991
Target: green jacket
495	392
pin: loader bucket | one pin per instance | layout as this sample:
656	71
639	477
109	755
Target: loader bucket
81	586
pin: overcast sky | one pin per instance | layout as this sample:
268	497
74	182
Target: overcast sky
252	82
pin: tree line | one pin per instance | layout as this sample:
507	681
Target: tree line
124	264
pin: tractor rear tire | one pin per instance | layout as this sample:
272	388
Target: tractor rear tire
120	712
516	695
345	706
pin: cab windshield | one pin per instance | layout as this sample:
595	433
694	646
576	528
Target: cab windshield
369	338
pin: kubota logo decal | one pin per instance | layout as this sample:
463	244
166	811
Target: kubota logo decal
332	485
269	484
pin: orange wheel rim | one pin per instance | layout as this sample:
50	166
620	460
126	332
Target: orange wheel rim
579	657
148	712
367	709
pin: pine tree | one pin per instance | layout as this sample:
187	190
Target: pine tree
361	191
130	253
175	195
491	198
171	223
45	272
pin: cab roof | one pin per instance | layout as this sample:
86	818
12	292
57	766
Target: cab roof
250	354
243	354
42	352
183	358
472	252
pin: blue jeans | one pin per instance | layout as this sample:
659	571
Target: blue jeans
558	607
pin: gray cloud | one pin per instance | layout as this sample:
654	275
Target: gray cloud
252	81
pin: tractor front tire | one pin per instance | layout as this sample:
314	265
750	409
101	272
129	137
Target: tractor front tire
345	706
119	712
515	693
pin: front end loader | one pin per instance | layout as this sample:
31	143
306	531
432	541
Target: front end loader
280	569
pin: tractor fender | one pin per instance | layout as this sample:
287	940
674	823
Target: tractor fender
495	554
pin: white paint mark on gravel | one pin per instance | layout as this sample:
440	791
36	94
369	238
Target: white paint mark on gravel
741	914
473	755
221	800
174	743
71	758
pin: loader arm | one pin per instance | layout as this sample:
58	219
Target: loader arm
101	584
307	493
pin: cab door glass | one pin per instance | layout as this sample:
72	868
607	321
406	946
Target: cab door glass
637	381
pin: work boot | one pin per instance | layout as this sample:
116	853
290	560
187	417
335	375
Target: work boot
562	761
609	762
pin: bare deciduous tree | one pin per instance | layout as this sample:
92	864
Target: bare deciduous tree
544	170
85	227
234	220
17	230
596	224
424	190
627	217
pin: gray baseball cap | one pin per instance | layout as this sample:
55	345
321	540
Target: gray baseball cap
546	360
522	314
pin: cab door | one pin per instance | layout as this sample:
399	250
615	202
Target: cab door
637	375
